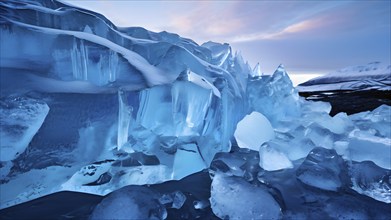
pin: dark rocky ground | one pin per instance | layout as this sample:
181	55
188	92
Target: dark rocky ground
72	205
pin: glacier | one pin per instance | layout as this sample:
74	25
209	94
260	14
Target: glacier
89	107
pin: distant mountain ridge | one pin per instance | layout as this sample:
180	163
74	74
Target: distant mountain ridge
373	76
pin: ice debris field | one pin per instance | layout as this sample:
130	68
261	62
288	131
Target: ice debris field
86	106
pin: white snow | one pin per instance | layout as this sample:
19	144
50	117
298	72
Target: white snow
371	76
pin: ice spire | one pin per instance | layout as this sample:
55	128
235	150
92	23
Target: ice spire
257	70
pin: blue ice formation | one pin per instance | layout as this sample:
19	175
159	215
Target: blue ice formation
86	106
114	93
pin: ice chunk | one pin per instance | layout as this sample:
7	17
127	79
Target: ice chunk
219	52
320	136
178	200
339	124
371	180
20	120
271	159
234	198
274	96
130	202
365	146
379	120
166	198
173	200
240	162
201	204
253	130
323	169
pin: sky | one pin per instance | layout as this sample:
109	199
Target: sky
307	37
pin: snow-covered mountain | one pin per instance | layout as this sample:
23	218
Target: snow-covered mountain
374	75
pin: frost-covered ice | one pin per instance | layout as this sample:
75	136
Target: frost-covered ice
20	119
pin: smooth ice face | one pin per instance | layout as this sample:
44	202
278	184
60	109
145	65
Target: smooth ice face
20	119
234	198
339	124
130	202
363	146
253	130
271	159
187	161
323	169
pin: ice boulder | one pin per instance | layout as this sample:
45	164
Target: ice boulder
130	202
323	169
253	130
371	180
234	198
20	120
